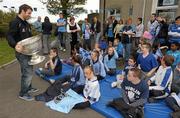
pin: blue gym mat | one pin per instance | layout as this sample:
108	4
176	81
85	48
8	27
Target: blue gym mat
153	110
66	70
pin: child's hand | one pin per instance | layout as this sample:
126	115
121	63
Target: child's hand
85	99
149	82
50	57
113	84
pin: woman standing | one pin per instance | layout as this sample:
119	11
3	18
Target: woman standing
47	28
118	28
73	28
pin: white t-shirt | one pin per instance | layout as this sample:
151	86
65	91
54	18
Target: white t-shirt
92	90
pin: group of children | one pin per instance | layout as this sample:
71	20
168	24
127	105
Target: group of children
148	75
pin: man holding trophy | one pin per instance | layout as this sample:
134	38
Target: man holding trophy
19	29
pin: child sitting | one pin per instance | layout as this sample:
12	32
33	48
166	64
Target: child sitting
101	52
91	91
131	64
97	65
147	62
175	52
75	81
84	54
53	66
110	61
135	93
173	102
160	52
160	83
119	48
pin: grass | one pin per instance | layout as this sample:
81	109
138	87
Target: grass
6	52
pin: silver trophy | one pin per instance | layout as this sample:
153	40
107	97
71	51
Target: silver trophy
31	46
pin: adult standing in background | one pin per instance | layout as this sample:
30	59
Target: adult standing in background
96	29
162	36
153	27
114	21
86	34
38	25
46	28
118	29
174	31
74	29
61	24
110	31
19	29
138	33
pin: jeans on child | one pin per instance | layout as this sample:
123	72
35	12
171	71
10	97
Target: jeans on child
26	72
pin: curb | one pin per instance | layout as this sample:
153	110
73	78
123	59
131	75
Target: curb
11	62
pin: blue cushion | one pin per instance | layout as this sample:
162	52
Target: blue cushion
66	70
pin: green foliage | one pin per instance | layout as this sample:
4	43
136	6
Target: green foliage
66	6
6	52
5	18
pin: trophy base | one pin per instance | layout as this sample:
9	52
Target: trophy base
36	59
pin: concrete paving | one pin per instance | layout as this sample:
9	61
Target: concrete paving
13	107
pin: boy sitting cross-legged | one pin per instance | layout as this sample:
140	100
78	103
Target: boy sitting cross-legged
135	93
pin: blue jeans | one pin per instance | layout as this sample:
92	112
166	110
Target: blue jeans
97	37
62	38
26	72
127	47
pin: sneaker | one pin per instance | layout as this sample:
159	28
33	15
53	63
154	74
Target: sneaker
33	90
26	97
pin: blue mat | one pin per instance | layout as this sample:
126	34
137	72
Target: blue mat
66	70
153	110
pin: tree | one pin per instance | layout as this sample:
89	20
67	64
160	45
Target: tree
67	7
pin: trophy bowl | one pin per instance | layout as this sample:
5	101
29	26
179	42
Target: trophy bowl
31	47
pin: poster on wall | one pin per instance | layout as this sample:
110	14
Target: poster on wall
168	2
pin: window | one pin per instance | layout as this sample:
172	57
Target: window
5	6
35	9
168	14
12	7
167	2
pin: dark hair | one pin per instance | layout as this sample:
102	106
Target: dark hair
121	20
77	46
55	50
46	19
71	18
77	59
178	17
97	53
24	7
140	19
154	14
176	44
168	59
132	57
148	45
88	67
137	72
